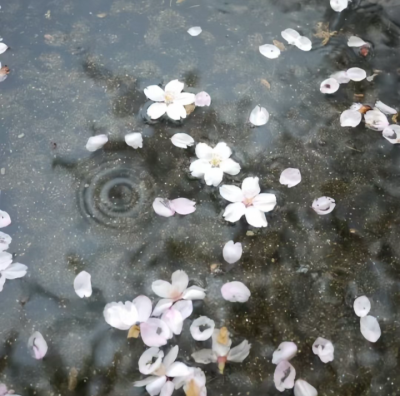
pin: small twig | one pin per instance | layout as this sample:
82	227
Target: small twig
198	5
352	148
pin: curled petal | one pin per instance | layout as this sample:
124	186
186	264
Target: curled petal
37	345
143	307
155	93
234	211
286	351
155	332
329	86
290	35
176	111
96	142
182	140
231	193
5	218
350	118
239	352
83	285
324	349
15	271
341	77
269	51
362	306
390	133
290	177
156	110
194	293
150	360
183	206
259	116
202	99
370	329
255	217
355	41
174	87
232	252
303	43
202	335
385	108
230	167
134	140
163	207
195	31
173	318
5	241
235	292
180	280
356	74
284	376
376	120
204	356
303	388
213	176
323	205
339	5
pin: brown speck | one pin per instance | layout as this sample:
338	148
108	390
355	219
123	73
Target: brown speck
265	83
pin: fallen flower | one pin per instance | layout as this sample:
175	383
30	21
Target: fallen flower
182	140
370	329
290	177
232	252
385	108
171	101
247	201
166	208
339	5
37	345
5	219
303	388
286	351
324	349
208	326
134	139
259	116
96	142
5	241
388	133
355	41
323	205
8	270
195	31
235	292
376	120
362	306
3	48
329	86
284	376
269	51
83	285
212	163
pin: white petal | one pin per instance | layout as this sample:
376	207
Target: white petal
182	140
204	356
194	31
202	99
176	111
235	292
162	306
174	86
83	285
155	332
323	205
204	151
15	271
324	349
303	388
145	381
341	77
385	108
259	116
171	356
178	369
173	319
162	207
37	345
155	93
255	217
143	307
286	351
199	167
303	43
180	280
213	176
119	315
362	306
163	289
392	134
356	74
5	219
231	193
233	212
239	352
134	139
202	335
185	98
290	177
232	252
290	35
339	5
250	187
5	241
156	110
6	259
194	293
146	365
350	118
230	167
269	51
284	376
355	41
264	202
222	150
3	48
329	86
96	142
167	389
185	307
2	282
154	388
376	120
183	206
370	328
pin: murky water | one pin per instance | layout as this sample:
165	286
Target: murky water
79	69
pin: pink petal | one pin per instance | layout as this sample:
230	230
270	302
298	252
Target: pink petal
163	289
202	99
183	206
356	74
162	306
323	205
5	219
259	116
251	187
155	332
143	307
82	284
199	335
284	376
329	86
232	252
162	207
231	193
264	202
185	307
290	177
286	351
37	345
235	292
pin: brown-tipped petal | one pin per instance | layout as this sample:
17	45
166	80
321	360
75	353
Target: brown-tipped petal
134	331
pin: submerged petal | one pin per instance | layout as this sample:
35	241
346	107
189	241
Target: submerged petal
235	292
233	212
355	41
182	140
232	252
286	351
284	376
37	345
208	326
259	116
5	219
183	206
96	142
356	74
202	99
303	388
329	86
303	43
362	306
390	133
339	5
385	108
134	139
290	35
156	110
370	329
350	118
162	207
255	217
323	205
195	31
269	51
155	93
324	349
290	177
83	285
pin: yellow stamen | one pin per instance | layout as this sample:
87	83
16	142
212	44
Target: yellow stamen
134	332
223	336
215	161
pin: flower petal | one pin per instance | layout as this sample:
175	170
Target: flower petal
194	293
183	206
155	93
145	381
180	280
250	187
239	352
284	376
2	282
303	388
255	217
194	31
341	77
134	139
178	369
202	335
155	332
154	388
234	211
37	345
213	176
176	111
163	289
222	150
167	389
96	142
323	205
119	315
339	5
185	307
269	51
5	241
202	99
171	356
324	349
182	140
376	120
204	356
162	306
350	118
150	360
3	48
230	167
362	306
329	86
174	86
235	292
162	207
355	41
392	134
143	307
5	218
385	108
259	116
231	193
173	318
290	177
184	99
204	151
290	35
232	252
6	259
303	43
15	271
286	351
370	329
156	110
199	167
356	74
83	285
264	202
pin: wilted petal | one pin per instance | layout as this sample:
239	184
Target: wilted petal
339	5
329	86
202	335
290	35
303	43
155	332
239	352
213	176
370	328
385	108
162	207
167	389
178	369
233	212
230	167
180	280
183	206
286	351
176	111
134	140
15	271
156	110
162	306
391	134
163	289
173	319
269	51
150	360
182	140
5	241
290	177
199	167
232	252
37	345
194	293
96	142
83	285
174	87
231	193
264	202
202	99
5	219
154	388
155	93
355	41
356	74
284	376
259	116
303	388
323	205
362	306
376	120
350	118
235	292
143	307
255	217
341	77
3	48
324	349
204	356
194	31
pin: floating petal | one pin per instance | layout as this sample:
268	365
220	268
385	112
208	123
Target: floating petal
350	118
235	292
232	252
355	41
15	271
341	77
290	177
356	74
162	207
390	133
156	110
202	335
5	219
376	120
134	139
183	206
385	108
195	31
255	217
83	285
324	349
286	351
96	142
284	376
182	140
362	306
3	48
150	360
239	352
269	51
303	388
303	43
339	5
259	116
37	345
323	205
121	315
155	332
329	86
370	329
290	35
202	99
155	93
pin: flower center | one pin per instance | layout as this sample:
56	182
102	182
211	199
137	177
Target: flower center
215	161
169	98
248	202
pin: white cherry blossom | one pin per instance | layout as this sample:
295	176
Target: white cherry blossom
167	208
5	241
323	205
324	349
5	219
212	163
232	252
96	142
284	376
303	388
37	345
83	285
385	108
171	101
370	329
259	116
9	270
290	177
375	120
329	86
287	350
134	140
182	140
269	51
235	292
202	335
339	5
247	201
391	133
362	306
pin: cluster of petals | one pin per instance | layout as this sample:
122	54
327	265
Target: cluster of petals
167	208
37	345
369	325
332	84
248	201
355	41
8	269
212	163
293	37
